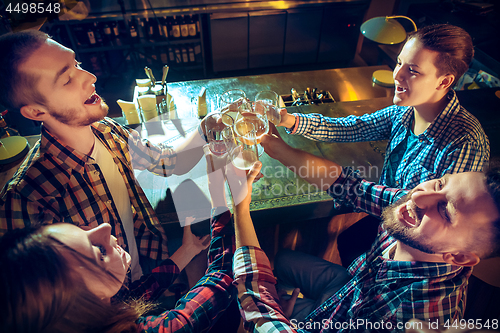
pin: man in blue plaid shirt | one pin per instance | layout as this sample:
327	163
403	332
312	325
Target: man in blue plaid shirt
418	266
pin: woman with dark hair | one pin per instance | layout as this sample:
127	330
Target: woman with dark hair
60	278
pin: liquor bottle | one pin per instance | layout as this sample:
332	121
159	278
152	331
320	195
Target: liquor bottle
97	34
191	54
133	29
141	30
116	33
151	29
95	64
164	27
191	26
91	36
178	57
184	27
176	29
185	58
108	34
163	55
171	55
5	130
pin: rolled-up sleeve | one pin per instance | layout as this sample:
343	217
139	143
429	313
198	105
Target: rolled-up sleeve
351	189
257	296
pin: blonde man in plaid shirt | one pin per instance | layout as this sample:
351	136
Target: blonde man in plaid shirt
81	171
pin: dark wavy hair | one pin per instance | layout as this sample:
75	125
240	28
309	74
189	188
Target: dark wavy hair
40	292
453	44
17	88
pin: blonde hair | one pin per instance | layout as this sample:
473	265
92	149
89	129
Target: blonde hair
41	294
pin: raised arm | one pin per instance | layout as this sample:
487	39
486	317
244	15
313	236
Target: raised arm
254	279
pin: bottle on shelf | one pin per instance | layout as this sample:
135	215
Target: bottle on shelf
176	29
171	55
191	54
116	34
5	130
164	27
97	34
184	27
91	36
191	26
185	57
178	57
141	30
164	55
108	34
133	30
151	29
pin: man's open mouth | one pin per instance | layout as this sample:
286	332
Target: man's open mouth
408	215
93	99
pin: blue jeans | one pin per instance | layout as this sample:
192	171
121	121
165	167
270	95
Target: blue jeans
317	279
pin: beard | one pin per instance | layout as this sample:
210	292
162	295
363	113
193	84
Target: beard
402	232
71	117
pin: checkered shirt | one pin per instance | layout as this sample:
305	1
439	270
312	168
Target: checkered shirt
454	142
380	290
56	183
202	306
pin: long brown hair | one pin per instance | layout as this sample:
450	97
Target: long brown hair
41	294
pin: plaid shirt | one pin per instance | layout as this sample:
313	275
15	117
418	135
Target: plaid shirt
56	183
381	290
454	142
200	308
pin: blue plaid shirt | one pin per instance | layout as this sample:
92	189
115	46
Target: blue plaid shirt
382	295
454	142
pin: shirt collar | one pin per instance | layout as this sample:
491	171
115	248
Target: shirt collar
387	269
443	118
67	157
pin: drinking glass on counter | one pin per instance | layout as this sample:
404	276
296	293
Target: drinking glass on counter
242	148
268	100
215	123
231	100
255	116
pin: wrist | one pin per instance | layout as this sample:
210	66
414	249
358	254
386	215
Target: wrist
290	121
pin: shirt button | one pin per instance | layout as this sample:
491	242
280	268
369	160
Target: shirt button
108	202
340	295
370	270
96	173
354	283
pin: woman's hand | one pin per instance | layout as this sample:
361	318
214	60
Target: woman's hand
273	144
287	120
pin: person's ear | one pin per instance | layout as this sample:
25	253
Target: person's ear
34	112
446	81
468	259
